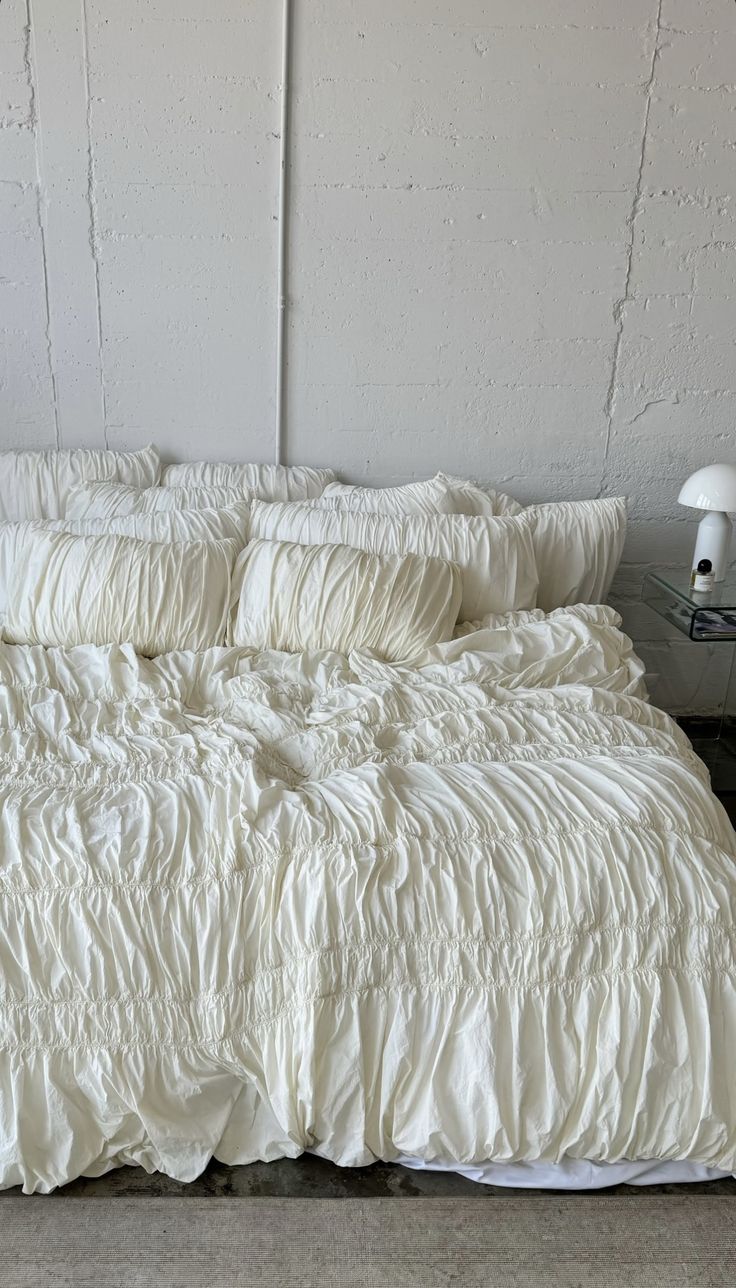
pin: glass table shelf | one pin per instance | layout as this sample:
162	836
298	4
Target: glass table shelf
704	618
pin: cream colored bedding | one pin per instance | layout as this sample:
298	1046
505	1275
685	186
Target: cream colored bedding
477	908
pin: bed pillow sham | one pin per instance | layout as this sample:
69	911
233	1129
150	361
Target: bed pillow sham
438	495
426	497
578	547
67	590
228	524
495	556
267	482
577	544
299	598
105	500
36	485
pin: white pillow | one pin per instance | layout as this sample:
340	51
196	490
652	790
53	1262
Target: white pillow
67	590
228	524
577	544
267	482
438	495
35	485
428	497
299	598
495	556
578	547
471	498
104	500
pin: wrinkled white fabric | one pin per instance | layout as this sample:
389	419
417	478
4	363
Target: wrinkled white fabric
439	495
36	485
68	590
459	911
228	524
495	556
429	496
300	598
578	1173
578	547
108	500
268	482
471	498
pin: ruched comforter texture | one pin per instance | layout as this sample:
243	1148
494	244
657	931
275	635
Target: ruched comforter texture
479	907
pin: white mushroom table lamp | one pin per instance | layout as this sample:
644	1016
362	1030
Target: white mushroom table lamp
712	489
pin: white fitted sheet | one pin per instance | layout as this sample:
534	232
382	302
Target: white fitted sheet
576	1173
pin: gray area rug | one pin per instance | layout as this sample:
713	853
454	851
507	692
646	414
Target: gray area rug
559	1242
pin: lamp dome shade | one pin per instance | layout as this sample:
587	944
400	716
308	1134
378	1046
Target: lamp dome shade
712	488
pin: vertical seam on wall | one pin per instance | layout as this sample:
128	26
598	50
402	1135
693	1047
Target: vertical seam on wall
93	225
28	65
620	306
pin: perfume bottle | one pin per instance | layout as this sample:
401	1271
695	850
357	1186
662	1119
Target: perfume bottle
702	579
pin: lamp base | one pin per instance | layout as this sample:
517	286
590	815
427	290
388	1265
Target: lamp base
714	542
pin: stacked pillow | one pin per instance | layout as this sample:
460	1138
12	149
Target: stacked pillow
267	482
495	556
68	590
577	544
36	485
168	526
106	500
439	495
330	565
298	598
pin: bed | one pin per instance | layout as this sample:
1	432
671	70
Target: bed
473	912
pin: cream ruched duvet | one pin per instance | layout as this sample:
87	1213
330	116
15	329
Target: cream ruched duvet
476	908
300	598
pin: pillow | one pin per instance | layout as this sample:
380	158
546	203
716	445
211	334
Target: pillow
267	482
427	497
578	547
471	498
67	590
495	556
577	544
299	598
35	485
438	495
104	500
230	523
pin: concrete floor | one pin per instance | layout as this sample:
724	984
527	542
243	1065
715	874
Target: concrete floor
309	1177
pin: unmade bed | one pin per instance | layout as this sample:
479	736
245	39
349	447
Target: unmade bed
473	910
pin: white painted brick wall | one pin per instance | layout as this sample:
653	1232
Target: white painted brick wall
513	246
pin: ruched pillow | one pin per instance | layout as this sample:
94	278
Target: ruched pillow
67	590
267	482
578	547
36	485
495	556
228	524
427	497
577	544
105	500
438	495
299	598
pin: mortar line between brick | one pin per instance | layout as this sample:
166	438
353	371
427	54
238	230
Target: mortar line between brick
620	306
93	224
28	65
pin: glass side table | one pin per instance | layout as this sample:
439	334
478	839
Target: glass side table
705	619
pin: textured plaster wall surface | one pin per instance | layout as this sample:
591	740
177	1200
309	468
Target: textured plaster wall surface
512	246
